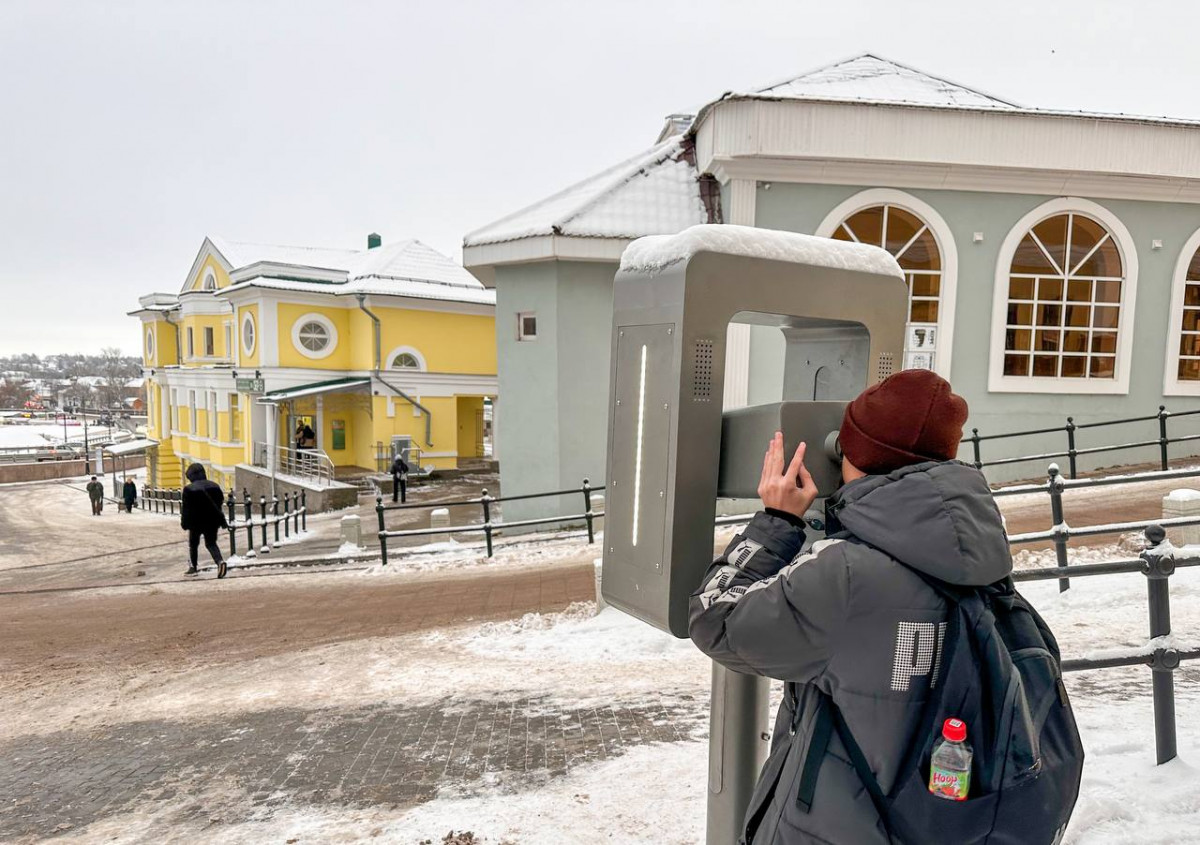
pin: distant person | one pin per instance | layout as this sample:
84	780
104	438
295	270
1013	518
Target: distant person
95	491
129	494
201	515
306	438
399	479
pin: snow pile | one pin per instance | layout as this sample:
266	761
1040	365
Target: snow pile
1183	495
652	255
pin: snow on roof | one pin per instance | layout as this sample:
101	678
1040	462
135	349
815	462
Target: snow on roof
652	255
652	193
404	268
869	78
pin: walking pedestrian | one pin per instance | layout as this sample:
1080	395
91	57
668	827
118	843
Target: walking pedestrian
201	514
860	625
400	479
129	494
95	491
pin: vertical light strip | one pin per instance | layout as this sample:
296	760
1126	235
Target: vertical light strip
637	467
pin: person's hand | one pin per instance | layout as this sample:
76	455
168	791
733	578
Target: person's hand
791	490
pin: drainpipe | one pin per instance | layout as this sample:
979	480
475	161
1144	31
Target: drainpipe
178	342
378	363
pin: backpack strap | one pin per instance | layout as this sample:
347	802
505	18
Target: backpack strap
861	767
818	744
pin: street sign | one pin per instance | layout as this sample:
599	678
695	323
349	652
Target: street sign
250	385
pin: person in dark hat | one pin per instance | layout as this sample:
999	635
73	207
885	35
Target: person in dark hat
848	618
201	515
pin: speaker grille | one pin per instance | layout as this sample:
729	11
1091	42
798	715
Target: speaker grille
885	366
702	364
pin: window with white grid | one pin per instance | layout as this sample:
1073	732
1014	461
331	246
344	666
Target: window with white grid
1064	301
1188	368
911	242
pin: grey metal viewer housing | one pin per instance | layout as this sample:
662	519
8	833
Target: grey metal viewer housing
841	308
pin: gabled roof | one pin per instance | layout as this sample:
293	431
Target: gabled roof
872	79
652	193
404	268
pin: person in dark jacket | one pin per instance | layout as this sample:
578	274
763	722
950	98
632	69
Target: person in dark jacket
95	491
847	617
399	479
202	516
129	494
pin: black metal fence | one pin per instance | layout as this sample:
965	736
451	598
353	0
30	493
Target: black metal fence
289	513
1157	562
1073	450
489	527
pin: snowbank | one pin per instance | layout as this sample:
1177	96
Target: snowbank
652	255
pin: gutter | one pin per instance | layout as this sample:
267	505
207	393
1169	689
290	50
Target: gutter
376	371
178	341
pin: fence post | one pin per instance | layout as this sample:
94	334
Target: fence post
287	515
1158	568
587	510
232	502
486	501
275	516
975	447
262	511
304	509
1071	453
248	512
171	499
382	529
1061	537
1163	413
296	511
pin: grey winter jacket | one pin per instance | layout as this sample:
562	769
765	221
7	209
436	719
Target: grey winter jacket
846	619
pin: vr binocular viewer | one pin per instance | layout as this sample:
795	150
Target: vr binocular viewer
672	451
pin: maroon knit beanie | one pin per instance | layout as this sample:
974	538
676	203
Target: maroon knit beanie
909	418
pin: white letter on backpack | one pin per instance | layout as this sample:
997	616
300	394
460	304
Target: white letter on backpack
916	643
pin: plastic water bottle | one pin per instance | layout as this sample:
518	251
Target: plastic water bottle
950	766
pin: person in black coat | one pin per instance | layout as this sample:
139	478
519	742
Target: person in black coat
201	515
129	494
399	479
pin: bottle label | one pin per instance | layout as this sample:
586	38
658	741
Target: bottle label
949	784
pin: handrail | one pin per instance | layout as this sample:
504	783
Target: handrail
311	464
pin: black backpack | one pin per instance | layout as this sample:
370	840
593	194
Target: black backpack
1000	673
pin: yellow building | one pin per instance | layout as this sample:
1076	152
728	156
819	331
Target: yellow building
391	347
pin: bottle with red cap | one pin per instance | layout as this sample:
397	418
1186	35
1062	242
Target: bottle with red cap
950	766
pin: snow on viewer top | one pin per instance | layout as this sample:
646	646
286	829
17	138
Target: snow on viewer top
654	254
1183	495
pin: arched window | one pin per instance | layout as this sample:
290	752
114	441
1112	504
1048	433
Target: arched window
1064	302
1182	376
406	361
921	242
210	281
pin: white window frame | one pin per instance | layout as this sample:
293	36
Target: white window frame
521	336
191	342
192	412
228	340
211	415
150	344
209	333
174	409
235	409
325	323
400	350
946	245
209	282
1172	384
1119	384
248	318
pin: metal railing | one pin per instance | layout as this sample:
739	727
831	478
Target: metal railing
1072	451
293	518
1157	562
384	458
488	527
311	464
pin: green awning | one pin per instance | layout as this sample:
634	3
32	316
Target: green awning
337	385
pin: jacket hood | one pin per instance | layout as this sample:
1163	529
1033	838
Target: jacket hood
938	518
196	473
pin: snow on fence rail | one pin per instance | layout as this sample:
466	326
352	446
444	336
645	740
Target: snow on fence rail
293	518
488	527
1072	452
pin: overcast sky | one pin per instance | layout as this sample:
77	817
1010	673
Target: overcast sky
130	130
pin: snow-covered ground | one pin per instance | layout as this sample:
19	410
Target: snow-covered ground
655	793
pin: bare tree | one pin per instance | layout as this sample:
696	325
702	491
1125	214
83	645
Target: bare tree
14	393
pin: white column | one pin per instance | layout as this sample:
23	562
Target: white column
495	428
272	434
742	199
320	422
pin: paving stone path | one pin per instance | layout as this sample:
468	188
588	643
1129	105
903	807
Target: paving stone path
390	756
